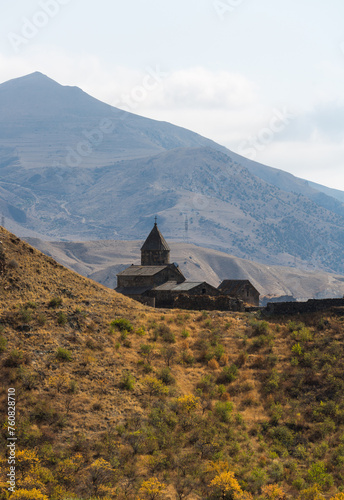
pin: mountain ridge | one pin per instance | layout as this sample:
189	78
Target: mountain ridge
74	168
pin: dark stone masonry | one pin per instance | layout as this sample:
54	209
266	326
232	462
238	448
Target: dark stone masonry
158	283
292	308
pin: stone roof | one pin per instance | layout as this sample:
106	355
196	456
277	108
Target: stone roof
142	270
155	241
234	286
181	287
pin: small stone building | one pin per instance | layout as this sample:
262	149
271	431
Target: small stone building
166	293
240	289
158	283
155	269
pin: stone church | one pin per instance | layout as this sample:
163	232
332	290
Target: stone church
158	283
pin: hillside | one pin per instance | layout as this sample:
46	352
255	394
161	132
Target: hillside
115	400
102	260
74	168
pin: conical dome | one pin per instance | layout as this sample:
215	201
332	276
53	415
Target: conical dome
155	251
155	240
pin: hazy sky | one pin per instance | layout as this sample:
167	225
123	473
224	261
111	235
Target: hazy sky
263	77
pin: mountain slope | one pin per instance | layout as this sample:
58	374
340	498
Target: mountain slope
74	168
116	400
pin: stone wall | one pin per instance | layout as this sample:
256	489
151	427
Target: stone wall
292	308
207	303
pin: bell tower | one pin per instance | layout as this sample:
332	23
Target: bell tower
155	251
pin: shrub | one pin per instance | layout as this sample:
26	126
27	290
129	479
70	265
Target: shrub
127	381
73	386
260	327
294	326
15	358
284	435
25	315
228	374
63	354
154	386
152	488
55	302
225	485
168	353
165	333
122	325
224	411
166	377
272	384
34	494
186	357
61	318
206	384
262	341
303	335
188	403
141	332
185	334
318	474
3	344
147	351
41	319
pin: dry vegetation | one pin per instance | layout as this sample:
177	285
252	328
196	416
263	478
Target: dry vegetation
116	400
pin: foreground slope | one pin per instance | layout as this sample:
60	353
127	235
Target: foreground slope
75	168
118	401
102	260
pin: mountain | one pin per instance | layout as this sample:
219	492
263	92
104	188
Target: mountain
102	260
74	168
117	400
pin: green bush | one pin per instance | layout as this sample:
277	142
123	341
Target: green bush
294	326
55	302
185	334
165	332
186	357
166	377
122	325
61	318
303	335
272	384
25	315
127	381
260	327
147	351
317	474
224	411
63	354
141	332
228	374
206	384
3	344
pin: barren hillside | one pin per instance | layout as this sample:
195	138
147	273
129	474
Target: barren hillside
118	401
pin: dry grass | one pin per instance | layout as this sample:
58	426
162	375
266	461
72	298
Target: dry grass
79	394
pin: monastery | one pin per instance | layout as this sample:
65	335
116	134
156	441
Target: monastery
158	283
